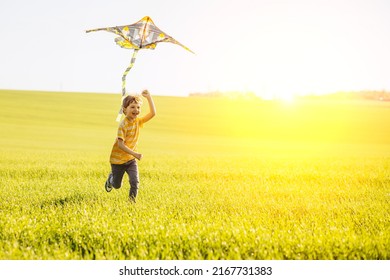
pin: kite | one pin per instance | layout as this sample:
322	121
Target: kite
143	34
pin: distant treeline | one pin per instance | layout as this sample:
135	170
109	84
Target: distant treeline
381	95
362	95
229	94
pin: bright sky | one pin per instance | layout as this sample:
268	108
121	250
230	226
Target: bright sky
269	47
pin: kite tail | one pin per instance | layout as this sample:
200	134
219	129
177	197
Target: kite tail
118	118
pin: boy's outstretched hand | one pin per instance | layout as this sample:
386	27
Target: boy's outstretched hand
145	93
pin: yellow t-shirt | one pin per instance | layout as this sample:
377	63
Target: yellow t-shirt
128	131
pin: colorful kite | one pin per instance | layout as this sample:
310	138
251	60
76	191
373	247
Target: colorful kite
143	34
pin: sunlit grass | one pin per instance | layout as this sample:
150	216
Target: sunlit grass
220	179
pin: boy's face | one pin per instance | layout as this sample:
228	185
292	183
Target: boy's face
132	111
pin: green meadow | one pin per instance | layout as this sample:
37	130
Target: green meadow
220	179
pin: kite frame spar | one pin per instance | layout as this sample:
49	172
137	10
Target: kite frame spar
143	34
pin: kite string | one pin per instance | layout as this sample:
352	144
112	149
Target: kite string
124	82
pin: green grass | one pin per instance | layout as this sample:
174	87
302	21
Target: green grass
220	179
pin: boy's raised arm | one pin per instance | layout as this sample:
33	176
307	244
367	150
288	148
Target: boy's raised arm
152	108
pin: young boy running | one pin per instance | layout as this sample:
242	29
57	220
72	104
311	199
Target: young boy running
123	154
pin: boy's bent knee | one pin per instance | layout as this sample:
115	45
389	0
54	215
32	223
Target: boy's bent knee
117	186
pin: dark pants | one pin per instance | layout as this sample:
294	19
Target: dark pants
131	168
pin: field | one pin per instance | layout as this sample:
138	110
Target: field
220	179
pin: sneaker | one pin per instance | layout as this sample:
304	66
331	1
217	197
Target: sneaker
108	184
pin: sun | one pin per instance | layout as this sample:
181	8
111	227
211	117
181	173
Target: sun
288	97
282	77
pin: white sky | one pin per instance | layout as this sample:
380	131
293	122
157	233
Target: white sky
266	46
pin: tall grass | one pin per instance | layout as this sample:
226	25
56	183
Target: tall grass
220	179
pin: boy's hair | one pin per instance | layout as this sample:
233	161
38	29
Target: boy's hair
130	99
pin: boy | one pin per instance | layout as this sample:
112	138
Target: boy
123	154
